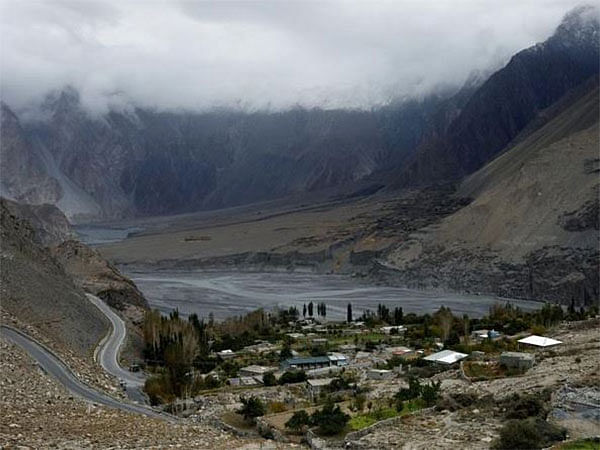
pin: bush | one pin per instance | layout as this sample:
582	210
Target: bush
330	420
298	421
532	433
252	408
292	376
269	379
429	393
527	406
159	389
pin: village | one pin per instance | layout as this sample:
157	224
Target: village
327	384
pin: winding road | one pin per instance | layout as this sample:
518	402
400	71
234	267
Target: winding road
52	365
108	351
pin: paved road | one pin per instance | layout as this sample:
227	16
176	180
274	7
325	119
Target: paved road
109	349
52	365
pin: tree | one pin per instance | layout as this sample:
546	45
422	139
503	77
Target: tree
286	352
298	421
429	392
398	316
252	407
304	311
292	376
310	309
269	379
330	420
349	313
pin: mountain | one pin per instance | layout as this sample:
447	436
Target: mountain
143	162
36	289
496	113
531	230
25	176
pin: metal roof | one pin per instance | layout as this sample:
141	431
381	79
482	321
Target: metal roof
446	357
308	360
539	341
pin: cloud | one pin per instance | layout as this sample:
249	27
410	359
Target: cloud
258	54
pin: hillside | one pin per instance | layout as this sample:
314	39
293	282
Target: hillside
36	289
532	227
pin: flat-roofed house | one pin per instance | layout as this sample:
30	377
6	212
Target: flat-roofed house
445	357
517	360
255	371
539	341
316	386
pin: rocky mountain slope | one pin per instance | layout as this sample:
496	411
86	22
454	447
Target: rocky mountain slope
45	273
496	113
37	290
532	229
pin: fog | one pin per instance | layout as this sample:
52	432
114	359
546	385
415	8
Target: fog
258	54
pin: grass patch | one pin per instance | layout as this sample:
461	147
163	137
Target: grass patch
360	421
580	444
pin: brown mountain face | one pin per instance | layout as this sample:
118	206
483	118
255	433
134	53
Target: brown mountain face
37	290
532	228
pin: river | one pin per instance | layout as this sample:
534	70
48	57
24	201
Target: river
227	294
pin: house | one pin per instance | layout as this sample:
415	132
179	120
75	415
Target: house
338	359
306	363
539	341
295	336
397	329
400	351
319	341
323	371
315	362
485	334
379	374
255	371
262	347
445	357
347	348
517	360
226	354
316	386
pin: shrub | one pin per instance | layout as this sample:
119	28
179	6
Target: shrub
269	379
330	419
252	407
358	404
298	421
532	433
526	406
429	393
292	376
159	389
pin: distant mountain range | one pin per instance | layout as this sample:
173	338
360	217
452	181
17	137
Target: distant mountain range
144	162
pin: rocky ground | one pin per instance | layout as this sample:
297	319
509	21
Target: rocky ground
570	371
38	413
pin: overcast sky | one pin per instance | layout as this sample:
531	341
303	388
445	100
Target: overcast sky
258	54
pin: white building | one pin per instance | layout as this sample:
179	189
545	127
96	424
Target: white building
392	329
445	357
226	354
539	341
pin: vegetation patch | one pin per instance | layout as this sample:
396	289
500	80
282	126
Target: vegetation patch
581	444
